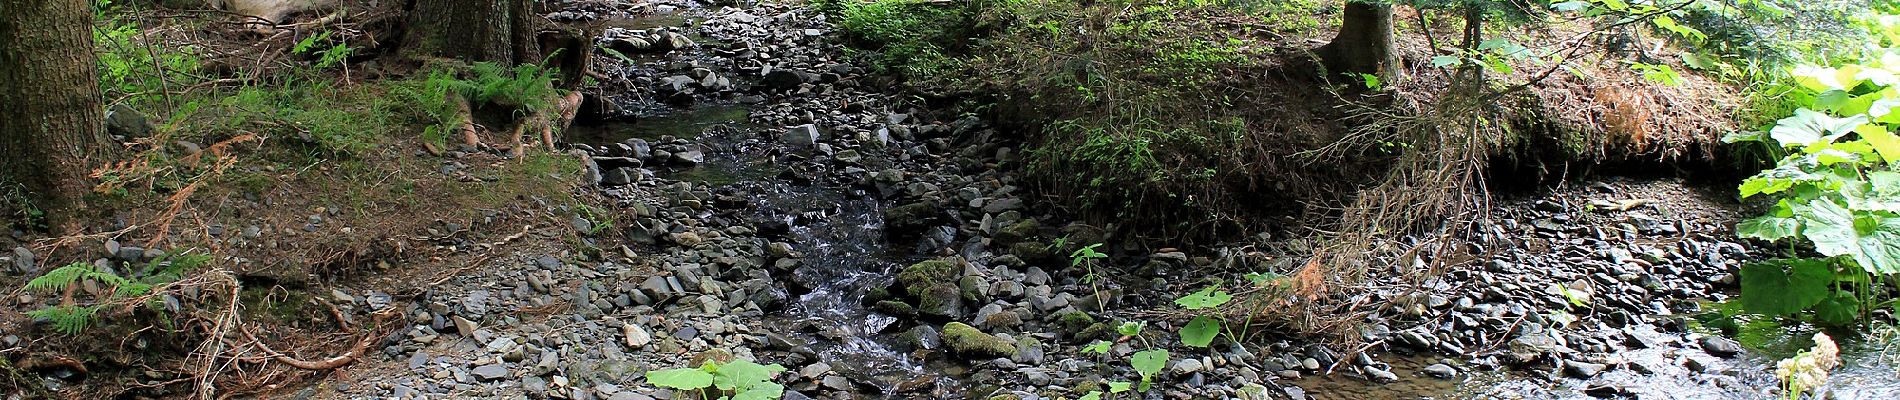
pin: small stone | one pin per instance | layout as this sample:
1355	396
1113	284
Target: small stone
1720	346
1441	371
490	372
1583	370
637	337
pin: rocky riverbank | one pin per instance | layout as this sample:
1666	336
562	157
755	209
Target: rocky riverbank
877	249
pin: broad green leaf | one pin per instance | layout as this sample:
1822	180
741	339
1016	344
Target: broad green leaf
680	378
763	391
1769	288
1148	362
1873	242
1769	228
1099	347
1119	386
1200	332
1093	395
1817	78
1444	61
1738	137
1883	141
1809	127
1206	298
742	374
1841	308
1131	328
1856	105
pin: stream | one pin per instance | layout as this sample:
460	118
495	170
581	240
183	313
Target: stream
838	228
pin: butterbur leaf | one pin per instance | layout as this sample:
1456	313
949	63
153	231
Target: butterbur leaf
1783	287
1872	241
1093	395
1130	328
1841	308
1883	141
1200	332
1148	363
1738	137
1206	298
1809	127
742	374
1099	347
1769	228
680	378
1119	386
1444	61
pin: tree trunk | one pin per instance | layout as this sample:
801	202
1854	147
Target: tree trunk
51	129
497	31
1365	42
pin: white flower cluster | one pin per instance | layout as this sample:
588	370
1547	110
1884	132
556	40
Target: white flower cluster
1808	370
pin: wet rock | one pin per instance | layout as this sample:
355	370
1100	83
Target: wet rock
1583	370
973	344
1441	371
911	218
802	136
122	120
784	79
1720	346
923	337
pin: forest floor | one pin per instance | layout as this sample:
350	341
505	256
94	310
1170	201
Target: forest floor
755	195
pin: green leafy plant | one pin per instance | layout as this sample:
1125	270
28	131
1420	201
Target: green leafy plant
1085	257
1148	363
72	317
735	380
1201	331
1835	189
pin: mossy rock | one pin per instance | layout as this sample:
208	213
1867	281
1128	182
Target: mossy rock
911	218
921	276
974	290
941	300
1098	331
1006	397
1073	322
895	308
967	341
1018	232
1035	253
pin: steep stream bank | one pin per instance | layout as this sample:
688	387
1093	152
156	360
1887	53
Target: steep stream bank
771	201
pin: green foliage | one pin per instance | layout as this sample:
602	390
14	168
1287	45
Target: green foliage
1834	189
735	380
1098	347
132	67
1200	332
1148	363
908	37
73	318
1209	297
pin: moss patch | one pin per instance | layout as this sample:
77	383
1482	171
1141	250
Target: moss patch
971	343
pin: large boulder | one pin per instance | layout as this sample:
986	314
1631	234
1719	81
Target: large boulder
968	342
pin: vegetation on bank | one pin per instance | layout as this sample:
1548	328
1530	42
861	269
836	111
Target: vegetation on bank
244	169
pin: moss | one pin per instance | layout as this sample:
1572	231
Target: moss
1018	232
940	300
1098	331
971	343
895	308
910	217
972	289
921	276
1073	322
1034	253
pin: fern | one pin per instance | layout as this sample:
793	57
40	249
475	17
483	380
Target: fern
58	279
67	319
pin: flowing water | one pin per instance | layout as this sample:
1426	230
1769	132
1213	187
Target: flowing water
838	230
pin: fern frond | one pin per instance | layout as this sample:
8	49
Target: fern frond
59	278
67	319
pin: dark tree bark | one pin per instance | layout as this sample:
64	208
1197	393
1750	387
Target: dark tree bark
51	129
1365	42
497	31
